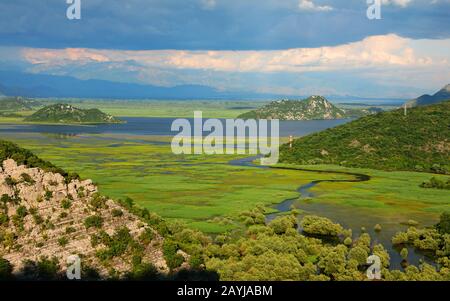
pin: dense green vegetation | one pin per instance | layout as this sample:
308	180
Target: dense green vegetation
419	141
436	183
271	252
314	107
64	113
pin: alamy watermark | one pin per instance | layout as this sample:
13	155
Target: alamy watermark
231	136
74	10
374	270
374	9
73	271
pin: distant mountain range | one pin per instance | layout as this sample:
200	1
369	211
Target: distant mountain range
14	83
441	95
64	113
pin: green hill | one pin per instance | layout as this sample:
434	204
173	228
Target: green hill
426	99
64	113
311	108
419	141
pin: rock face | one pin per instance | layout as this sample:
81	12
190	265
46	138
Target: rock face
43	216
312	108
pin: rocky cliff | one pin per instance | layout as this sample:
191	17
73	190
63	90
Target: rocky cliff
43	216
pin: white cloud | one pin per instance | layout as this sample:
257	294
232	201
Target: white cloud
309	5
375	52
386	60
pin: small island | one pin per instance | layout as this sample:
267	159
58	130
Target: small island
68	114
312	108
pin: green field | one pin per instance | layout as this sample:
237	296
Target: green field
157	108
207	193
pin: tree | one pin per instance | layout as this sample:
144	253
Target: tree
348	241
444	223
404	254
312	224
359	254
281	224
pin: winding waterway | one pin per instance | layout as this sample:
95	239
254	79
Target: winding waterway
305	193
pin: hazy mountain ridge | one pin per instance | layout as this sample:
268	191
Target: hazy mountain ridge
441	95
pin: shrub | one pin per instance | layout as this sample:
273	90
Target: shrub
98	202
3	219
404	253
22	212
320	226
27	178
116	212
63	241
48	195
444	223
93	221
281	224
65	204
70	230
173	259
147	236
10	181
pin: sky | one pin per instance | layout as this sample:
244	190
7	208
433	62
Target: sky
276	46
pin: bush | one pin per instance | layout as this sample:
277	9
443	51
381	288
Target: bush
173	259
436	183
63	241
27	178
93	221
320	226
281	224
10	181
44	269
66	204
147	236
143	271
444	223
98	202
116	212
22	212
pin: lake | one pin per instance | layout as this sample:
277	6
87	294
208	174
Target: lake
158	127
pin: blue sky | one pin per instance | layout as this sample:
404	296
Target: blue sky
293	46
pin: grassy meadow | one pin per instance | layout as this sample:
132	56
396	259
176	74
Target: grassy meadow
208	194
164	108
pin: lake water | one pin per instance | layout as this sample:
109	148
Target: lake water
158	127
